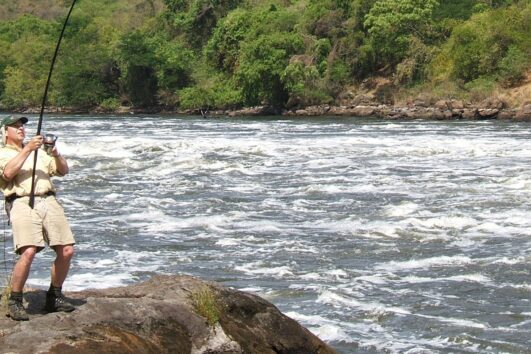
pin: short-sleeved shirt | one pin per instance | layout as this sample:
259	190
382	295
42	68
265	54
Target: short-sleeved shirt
21	183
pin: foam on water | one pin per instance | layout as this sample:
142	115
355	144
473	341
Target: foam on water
398	237
442	261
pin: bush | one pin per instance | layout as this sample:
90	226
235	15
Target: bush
110	104
481	88
195	98
513	66
304	85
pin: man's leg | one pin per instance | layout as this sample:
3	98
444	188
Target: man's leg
61	265
55	300
22	268
18	279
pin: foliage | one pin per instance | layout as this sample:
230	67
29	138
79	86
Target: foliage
210	54
392	23
196	19
304	85
480	88
110	104
261	64
491	43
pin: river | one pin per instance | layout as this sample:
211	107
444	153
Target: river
378	236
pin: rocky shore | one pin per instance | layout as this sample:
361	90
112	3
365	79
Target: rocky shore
166	314
441	110
416	109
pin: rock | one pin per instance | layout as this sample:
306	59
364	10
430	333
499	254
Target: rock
492	103
488	113
470	113
442	105
339	111
456	105
416	113
158	316
363	111
254	111
524	113
506	114
364	99
440	114
422	100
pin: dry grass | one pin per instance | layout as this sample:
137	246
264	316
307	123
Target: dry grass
6	291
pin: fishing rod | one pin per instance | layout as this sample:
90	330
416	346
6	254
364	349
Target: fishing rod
44	96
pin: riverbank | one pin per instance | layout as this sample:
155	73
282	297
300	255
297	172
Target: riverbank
443	110
415	109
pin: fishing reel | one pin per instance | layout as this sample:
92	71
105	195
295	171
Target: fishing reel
49	142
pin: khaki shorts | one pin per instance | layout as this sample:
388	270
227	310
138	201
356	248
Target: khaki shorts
44	224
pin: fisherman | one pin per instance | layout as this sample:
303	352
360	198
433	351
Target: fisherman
33	228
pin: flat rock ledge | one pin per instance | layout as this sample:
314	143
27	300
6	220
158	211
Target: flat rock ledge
158	316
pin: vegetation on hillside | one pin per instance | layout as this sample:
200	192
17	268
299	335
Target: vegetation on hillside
191	54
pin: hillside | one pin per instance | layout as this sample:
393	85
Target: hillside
210	54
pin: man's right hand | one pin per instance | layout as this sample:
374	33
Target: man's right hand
35	143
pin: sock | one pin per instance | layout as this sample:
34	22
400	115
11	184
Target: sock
17	296
55	290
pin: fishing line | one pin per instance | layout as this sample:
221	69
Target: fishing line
45	95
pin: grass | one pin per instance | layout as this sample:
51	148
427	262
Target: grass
204	302
6	291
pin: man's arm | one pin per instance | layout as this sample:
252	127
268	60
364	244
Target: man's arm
15	164
60	162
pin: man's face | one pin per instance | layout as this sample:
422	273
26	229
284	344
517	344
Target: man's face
16	132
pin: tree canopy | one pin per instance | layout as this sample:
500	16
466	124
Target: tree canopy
191	54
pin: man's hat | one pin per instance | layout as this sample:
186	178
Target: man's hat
12	120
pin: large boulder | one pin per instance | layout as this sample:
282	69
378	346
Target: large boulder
166	314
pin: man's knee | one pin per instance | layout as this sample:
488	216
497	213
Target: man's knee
65	252
28	253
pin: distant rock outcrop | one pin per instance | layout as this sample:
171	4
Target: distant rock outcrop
161	315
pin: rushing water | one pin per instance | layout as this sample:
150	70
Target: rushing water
378	236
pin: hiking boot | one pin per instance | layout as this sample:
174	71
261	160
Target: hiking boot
58	303
16	310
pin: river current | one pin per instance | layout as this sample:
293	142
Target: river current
378	236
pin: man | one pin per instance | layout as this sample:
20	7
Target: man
33	228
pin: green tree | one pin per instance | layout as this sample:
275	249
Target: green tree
491	41
139	61
223	48
261	64
392	23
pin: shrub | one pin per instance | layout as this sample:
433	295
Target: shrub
110	104
195	98
513	66
481	88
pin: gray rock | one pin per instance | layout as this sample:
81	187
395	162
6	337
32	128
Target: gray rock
524	113
157	316
442	105
457	104
470	113
363	111
488	113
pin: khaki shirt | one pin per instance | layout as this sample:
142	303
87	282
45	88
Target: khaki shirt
21	184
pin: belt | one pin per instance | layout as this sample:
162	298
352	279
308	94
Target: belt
12	197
